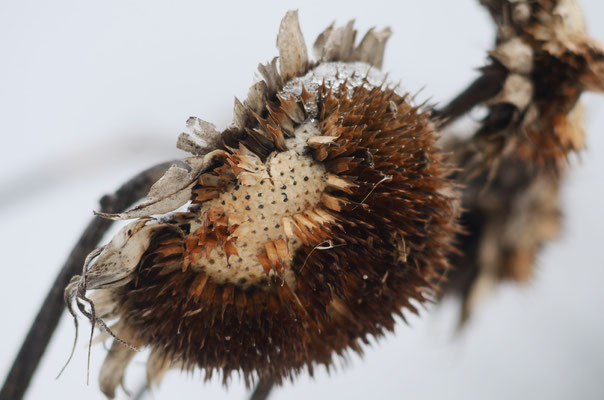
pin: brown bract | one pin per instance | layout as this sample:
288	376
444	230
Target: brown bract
323	214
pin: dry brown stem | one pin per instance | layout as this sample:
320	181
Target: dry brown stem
45	322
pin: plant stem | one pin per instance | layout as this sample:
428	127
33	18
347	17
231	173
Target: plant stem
262	390
483	88
45	323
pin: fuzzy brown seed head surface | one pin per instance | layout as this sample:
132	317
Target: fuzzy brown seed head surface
323	214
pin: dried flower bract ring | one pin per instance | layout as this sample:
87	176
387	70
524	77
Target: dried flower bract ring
312	221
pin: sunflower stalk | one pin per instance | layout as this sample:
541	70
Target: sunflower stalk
45	323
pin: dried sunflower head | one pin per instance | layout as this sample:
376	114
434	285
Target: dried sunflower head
513	165
542	62
312	221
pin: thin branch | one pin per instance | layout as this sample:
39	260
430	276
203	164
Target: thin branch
45	323
483	88
262	390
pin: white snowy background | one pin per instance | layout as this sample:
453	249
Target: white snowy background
92	92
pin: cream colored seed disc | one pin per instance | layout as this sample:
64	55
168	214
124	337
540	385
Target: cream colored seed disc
288	183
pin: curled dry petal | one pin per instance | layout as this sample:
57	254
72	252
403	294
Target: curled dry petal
171	191
115	264
204	137
371	49
112	370
293	58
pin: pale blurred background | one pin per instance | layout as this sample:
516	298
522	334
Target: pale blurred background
92	92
